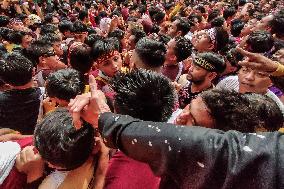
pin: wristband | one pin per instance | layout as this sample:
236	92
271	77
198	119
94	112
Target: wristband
279	71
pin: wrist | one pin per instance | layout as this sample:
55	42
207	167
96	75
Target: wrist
279	70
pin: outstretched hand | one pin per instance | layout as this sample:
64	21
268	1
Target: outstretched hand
257	61
88	106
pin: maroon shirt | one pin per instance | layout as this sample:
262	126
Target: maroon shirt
124	173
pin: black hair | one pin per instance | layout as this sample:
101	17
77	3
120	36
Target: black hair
183	48
65	84
183	25
214	59
115	42
218	22
118	33
215	13
151	52
15	37
36	50
79	27
277	24
15	69
50	38
92	38
82	15
234	111
229	12
152	11
80	58
201	9
192	16
138	34
48	18
222	38
102	47
143	94
169	5
164	38
242	2
48	28
142	9
236	27
59	143
4	20
65	26
260	41
159	17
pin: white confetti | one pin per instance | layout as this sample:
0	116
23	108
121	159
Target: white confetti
158	130
170	148
247	149
260	136
201	164
150	143
149	126
245	136
116	118
166	141
178	151
179	138
132	142
135	140
105	140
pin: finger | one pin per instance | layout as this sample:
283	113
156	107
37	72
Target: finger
71	103
6	131
93	86
246	53
252	65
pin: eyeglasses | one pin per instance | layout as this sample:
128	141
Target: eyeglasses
49	54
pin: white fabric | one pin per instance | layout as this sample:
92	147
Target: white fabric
8	152
232	83
174	115
54	180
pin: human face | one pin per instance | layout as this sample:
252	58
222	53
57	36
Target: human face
58	48
196	74
201	41
111	66
263	23
198	114
279	56
170	55
26	41
51	60
248	28
172	32
253	81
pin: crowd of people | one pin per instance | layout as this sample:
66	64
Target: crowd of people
141	94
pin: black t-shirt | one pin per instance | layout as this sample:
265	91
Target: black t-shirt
19	109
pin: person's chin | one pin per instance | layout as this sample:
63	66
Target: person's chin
247	88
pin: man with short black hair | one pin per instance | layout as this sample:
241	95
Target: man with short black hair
204	69
178	49
149	54
180	27
19	105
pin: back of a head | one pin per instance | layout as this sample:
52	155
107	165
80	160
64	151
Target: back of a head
183	25
183	48
16	70
222	38
65	25
229	12
151	52
65	84
4	21
277	24
218	22
236	27
242	112
48	28
143	94
80	57
260	41
269	114
59	143
79	27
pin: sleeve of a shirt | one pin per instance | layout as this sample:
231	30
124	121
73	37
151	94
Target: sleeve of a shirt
193	151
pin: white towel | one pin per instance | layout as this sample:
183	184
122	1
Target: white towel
8	153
